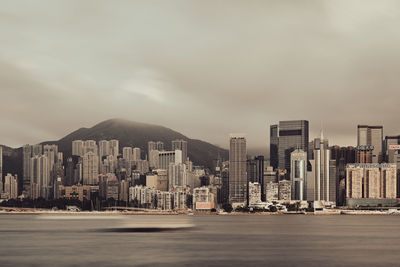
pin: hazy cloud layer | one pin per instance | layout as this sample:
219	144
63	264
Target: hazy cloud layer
204	68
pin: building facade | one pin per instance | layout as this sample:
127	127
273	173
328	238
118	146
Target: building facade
237	169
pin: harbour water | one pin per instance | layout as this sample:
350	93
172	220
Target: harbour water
258	240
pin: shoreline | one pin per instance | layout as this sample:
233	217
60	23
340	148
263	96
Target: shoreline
94	213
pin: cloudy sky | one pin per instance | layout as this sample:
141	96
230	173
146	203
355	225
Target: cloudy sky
204	68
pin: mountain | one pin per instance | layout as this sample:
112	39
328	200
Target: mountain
135	134
129	133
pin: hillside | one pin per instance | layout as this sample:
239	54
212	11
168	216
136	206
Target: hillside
128	133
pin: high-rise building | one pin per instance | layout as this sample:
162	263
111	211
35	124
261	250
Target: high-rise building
370	184
114	148
392	155
237	169
177	175
37	150
368	135
11	186
89	146
364	154
104	148
90	168
40	176
324	170
151	145
342	157
77	148
160	146
273	148
127	153
180	145
136	154
51	152
254	193
298	174
289	135
166	157
26	159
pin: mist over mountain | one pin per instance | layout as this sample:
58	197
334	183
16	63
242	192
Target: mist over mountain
129	133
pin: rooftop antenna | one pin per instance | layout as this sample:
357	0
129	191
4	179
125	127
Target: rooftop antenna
322	132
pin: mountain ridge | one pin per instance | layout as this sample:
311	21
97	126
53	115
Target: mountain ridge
129	133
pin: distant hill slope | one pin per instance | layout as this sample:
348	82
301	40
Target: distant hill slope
136	134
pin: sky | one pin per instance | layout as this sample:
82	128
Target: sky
203	68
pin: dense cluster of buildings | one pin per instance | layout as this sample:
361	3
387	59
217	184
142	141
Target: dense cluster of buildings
310	171
300	170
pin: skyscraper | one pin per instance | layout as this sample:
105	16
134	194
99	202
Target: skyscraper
40	176
11	186
136	154
180	145
90	168
51	152
177	175
77	148
127	153
166	157
104	148
273	148
237	169
368	135
89	146
114	148
289	136
324	172
298	174
26	159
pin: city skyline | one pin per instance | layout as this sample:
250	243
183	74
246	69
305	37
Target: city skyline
107	60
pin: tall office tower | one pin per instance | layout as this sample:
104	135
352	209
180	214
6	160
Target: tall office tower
298	175
368	135
291	135
89	146
237	169
26	159
177	175
37	150
90	167
324	172
114	148
69	172
51	152
392	148
44	176
255	172
342	157
104	148
166	157
77	148
127	154
273	148
136	154
11	186
180	145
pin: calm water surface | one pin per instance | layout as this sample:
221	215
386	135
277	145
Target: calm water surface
279	240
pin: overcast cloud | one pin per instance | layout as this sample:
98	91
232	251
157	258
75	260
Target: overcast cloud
204	68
